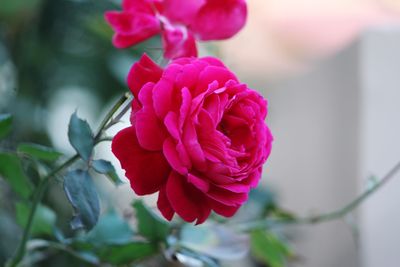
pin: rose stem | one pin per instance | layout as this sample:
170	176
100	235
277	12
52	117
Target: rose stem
41	188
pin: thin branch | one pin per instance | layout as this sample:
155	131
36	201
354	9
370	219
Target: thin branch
331	216
118	117
110	114
104	139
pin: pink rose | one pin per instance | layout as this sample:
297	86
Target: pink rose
179	22
198	137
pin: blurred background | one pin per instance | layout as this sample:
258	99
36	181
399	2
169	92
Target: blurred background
329	69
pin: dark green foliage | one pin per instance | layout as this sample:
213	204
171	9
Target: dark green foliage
43	222
11	170
105	167
269	249
39	152
81	192
5	125
149	224
81	136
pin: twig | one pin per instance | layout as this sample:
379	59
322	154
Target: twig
331	216
110	114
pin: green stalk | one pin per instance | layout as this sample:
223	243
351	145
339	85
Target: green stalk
41	188
110	114
38	195
331	216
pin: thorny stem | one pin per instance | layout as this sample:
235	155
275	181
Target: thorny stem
110	114
330	216
118	117
38	194
41	188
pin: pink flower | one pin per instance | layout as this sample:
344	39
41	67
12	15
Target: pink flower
179	22
198	137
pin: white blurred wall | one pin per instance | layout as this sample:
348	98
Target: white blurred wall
313	165
335	126
380	146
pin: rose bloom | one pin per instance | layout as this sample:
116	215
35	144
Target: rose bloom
179	22
198	137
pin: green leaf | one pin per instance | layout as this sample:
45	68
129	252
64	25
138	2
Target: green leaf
43	222
11	170
80	136
110	230
5	125
268	248
81	192
105	167
39	152
150	225
128	253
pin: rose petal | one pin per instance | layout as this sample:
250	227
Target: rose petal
214	143
211	74
183	61
227	197
200	183
172	156
143	6
171	123
220	173
188	76
193	148
131	28
135	106
164	97
237	187
163	204
218	20
182	11
146	170
200	94
178	42
187	201
221	209
142	72
185	107
150	130
183	155
215	106
212	61
254	178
